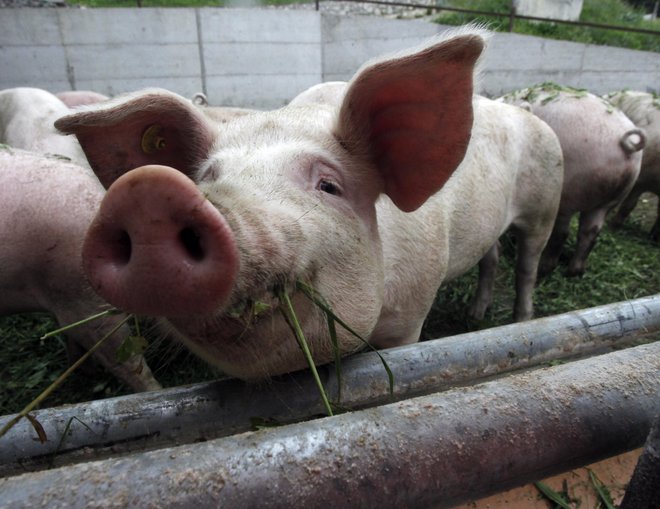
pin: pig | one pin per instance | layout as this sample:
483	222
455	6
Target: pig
330	92
602	158
26	122
221	114
46	206
644	110
77	98
374	203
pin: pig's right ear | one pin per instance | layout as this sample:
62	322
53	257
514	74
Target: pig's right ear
411	116
150	127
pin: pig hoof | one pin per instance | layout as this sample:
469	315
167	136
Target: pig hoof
574	272
477	312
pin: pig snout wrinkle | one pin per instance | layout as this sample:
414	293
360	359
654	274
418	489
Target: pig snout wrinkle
157	247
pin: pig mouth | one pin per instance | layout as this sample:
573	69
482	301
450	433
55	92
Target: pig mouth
234	322
241	318
253	338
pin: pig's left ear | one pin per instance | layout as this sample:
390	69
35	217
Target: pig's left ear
411	117
149	127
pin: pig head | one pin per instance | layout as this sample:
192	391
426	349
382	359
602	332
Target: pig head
203	222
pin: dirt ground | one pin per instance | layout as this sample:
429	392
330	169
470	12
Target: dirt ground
613	472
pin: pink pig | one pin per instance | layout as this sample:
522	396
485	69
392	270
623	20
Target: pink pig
46	205
373	203
602	157
76	98
644	110
26	122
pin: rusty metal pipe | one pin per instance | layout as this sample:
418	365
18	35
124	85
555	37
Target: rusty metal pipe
431	451
205	411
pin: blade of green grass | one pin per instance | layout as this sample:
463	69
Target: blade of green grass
552	495
602	491
107	312
313	295
34	403
291	318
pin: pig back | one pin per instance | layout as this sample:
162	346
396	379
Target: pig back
644	110
512	174
27	117
46	205
599	172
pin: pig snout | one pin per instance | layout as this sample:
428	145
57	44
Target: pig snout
157	247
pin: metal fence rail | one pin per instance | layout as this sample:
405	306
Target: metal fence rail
430	451
205	411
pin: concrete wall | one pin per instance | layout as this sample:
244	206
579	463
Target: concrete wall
263	57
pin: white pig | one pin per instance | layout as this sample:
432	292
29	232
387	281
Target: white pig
76	98
330	92
602	157
644	110
220	114
46	205
374	204
26	122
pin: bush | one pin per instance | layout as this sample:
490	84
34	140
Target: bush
605	12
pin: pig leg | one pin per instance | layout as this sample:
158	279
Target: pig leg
591	222
553	250
528	256
487	269
626	208
134	372
655	230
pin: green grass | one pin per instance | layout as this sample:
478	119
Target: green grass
625	264
605	12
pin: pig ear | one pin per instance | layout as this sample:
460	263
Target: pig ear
151	127
411	117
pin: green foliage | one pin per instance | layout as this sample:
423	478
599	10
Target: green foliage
624	264
560	499
604	12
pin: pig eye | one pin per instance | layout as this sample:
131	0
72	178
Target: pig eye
329	187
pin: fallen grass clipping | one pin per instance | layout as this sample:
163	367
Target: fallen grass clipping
563	501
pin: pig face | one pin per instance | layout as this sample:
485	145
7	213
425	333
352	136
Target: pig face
221	218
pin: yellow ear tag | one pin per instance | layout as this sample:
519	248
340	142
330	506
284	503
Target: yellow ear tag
152	141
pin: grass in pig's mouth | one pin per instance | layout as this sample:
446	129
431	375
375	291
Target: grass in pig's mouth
247	312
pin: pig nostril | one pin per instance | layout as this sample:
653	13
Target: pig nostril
121	248
124	247
191	242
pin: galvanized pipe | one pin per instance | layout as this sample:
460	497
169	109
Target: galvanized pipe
430	451
206	411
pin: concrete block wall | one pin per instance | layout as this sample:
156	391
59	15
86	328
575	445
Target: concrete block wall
516	61
263	57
